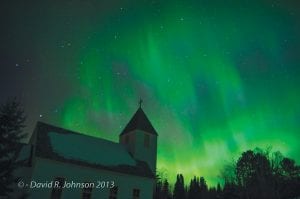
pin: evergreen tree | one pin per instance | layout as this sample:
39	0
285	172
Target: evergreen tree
212	193
218	191
11	124
230	191
203	188
193	191
158	190
179	191
165	192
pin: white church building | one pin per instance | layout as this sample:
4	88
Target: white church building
65	164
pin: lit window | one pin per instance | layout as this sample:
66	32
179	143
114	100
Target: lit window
57	188
136	194
113	193
87	193
146	140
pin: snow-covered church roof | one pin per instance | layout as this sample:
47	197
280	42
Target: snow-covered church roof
68	146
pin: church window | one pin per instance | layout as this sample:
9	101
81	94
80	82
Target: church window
136	194
146	140
87	193
57	188
113	193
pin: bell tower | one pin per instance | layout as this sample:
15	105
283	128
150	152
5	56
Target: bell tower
140	138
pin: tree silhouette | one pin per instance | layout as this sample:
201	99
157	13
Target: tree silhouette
193	190
261	176
254	175
203	190
288	178
11	124
162	189
158	190
257	174
165	192
230	191
179	191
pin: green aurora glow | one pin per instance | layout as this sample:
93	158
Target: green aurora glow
216	79
205	106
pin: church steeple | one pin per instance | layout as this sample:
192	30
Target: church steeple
140	102
140	138
139	121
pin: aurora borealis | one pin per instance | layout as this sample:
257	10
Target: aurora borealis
216	78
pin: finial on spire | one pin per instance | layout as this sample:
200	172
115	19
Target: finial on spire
140	102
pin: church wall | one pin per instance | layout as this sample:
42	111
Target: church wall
130	145
47	170
144	153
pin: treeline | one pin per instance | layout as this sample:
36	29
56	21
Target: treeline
12	120
257	174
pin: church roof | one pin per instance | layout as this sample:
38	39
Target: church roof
72	147
24	153
139	121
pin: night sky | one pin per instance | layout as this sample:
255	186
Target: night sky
216	78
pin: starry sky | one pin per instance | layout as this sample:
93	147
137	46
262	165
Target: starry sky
216	78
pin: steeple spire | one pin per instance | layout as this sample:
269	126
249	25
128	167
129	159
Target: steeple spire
140	102
139	121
